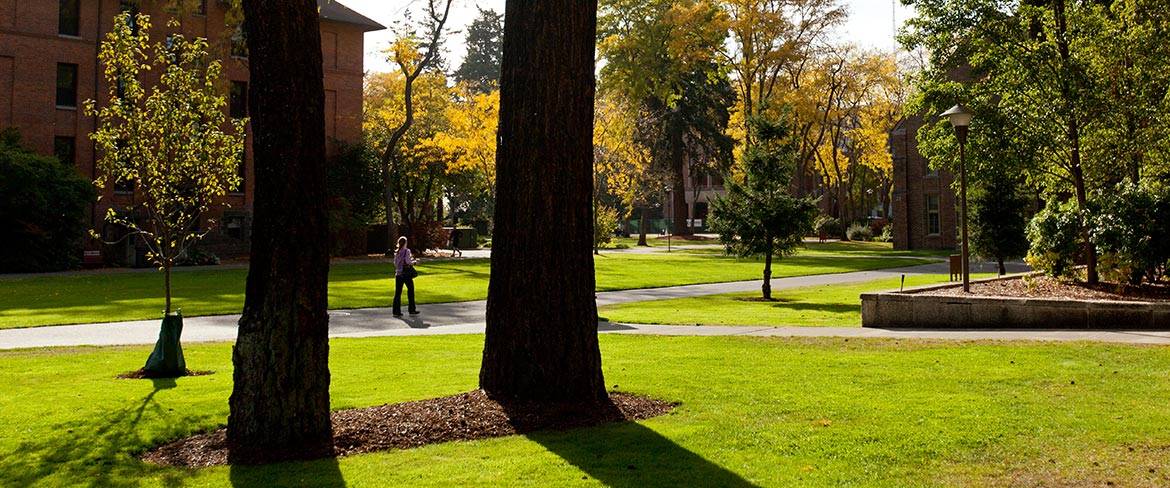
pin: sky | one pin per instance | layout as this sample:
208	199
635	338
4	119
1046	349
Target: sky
870	25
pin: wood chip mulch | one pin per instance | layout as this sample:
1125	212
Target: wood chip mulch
1048	288
462	417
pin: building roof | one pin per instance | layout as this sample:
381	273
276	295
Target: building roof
335	11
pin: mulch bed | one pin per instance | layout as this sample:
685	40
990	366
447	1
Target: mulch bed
462	417
1048	288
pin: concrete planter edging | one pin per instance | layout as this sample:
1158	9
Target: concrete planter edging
908	309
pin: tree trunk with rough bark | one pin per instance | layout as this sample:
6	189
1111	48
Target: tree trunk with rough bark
541	341
279	407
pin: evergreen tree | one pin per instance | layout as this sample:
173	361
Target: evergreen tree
758	217
999	220
485	47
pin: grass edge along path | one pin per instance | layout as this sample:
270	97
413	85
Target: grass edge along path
125	296
753	412
835	305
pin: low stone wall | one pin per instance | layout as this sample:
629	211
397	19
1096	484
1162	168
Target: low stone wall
908	309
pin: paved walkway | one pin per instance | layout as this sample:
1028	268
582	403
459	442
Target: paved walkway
468	318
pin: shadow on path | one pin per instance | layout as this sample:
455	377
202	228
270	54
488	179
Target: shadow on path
629	455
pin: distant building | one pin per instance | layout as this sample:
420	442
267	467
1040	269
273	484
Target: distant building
923	207
49	67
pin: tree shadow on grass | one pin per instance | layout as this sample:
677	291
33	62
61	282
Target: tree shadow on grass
103	451
630	455
320	473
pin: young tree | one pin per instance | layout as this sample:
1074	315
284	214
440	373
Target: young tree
999	220
169	142
758	216
279	407
485	44
43	203
541	341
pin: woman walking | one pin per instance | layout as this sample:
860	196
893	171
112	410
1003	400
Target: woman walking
404	274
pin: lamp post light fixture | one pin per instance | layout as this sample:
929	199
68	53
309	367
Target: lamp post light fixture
960	118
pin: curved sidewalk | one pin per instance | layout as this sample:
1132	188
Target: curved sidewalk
468	318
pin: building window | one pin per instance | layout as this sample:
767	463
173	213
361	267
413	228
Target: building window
201	7
65	149
130	8
69	18
933	225
238	103
239	42
67	85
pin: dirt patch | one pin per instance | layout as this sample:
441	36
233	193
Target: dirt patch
1048	288
462	417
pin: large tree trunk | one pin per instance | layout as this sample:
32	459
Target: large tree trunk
541	339
280	398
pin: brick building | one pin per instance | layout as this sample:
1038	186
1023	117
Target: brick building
49	67
924	205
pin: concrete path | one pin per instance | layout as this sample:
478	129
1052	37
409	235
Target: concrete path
468	318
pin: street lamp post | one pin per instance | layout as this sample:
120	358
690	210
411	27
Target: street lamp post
960	119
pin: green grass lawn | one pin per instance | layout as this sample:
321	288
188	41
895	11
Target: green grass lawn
118	296
766	412
819	306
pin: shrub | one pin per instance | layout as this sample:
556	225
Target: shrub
887	234
197	257
42	209
829	225
1055	236
1131	231
859	232
605	222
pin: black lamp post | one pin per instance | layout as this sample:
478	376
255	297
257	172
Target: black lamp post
960	119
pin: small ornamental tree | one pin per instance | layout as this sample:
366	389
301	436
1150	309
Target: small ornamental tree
999	221
758	217
170	141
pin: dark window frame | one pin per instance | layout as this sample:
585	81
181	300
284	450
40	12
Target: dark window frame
65	149
67	85
933	215
238	100
69	18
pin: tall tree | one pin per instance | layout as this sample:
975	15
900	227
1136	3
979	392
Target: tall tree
1032	61
413	56
419	165
279	407
664	55
541	341
485	46
758	217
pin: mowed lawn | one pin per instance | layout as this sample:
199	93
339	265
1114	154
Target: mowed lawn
837	305
78	298
767	412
